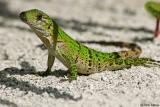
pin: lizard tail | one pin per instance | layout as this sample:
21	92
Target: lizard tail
148	62
152	63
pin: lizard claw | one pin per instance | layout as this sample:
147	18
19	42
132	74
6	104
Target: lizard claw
68	78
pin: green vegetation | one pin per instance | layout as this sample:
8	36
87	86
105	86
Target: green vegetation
154	9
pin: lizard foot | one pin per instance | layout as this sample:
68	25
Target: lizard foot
44	74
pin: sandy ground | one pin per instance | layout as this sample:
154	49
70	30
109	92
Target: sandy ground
22	54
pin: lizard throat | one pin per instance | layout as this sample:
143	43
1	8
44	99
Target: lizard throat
47	40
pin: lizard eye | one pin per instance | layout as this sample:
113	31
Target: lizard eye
39	17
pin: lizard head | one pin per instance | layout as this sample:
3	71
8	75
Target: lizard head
40	22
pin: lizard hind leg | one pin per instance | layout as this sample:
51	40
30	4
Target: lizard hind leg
130	54
133	52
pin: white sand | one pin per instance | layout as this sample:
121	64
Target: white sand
110	20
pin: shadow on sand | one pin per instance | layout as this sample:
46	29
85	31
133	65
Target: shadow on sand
8	103
26	86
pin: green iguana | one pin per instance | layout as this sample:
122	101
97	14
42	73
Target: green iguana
74	55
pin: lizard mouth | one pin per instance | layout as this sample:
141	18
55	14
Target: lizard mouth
39	31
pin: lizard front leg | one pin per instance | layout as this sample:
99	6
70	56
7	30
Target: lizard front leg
50	62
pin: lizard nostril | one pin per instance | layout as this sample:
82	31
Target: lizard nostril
23	16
